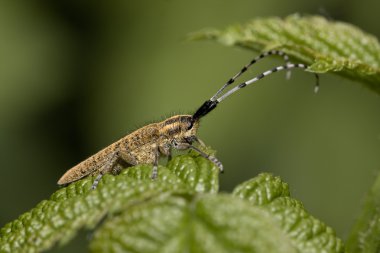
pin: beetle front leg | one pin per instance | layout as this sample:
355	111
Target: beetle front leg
210	158
200	142
184	145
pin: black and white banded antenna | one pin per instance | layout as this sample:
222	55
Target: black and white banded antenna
245	68
210	104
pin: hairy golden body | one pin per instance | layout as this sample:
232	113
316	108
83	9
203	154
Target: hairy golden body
143	146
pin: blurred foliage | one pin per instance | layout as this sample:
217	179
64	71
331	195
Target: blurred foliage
364	236
77	75
177	212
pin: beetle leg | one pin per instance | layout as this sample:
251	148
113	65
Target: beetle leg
113	165
170	156
184	145
106	169
209	157
155	164
200	141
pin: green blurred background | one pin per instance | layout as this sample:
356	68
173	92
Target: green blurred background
77	75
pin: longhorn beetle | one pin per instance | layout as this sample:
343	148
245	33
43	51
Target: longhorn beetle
145	145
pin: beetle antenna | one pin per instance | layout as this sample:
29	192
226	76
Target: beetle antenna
245	68
267	73
209	105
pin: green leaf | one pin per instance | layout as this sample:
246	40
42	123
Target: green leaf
365	235
208	223
326	46
196	172
178	212
264	219
76	206
262	189
305	233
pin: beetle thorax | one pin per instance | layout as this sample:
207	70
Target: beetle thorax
179	127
